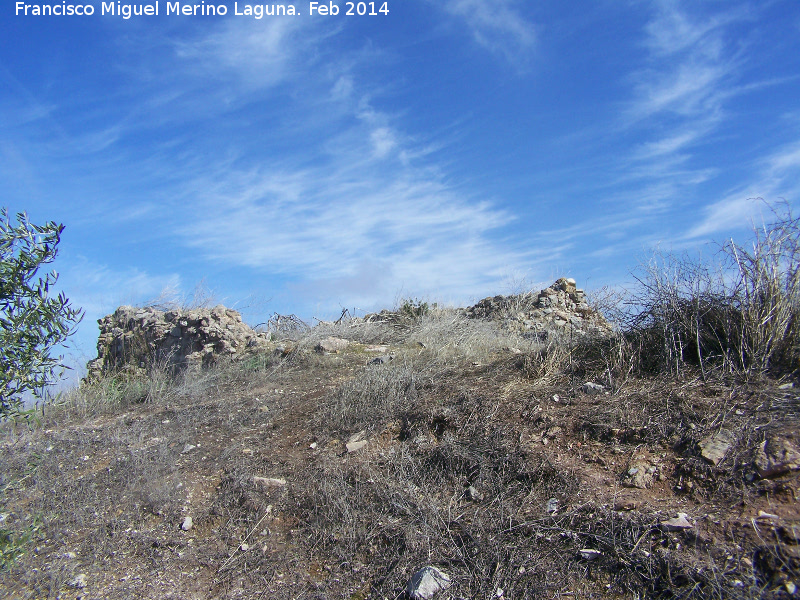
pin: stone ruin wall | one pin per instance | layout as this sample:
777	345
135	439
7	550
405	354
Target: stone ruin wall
134	339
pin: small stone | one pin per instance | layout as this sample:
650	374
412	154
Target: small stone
473	494
556	398
381	360
790	587
592	388
589	553
714	448
269	482
244	547
639	474
79	581
332	345
786	386
426	582
498	593
70	555
766	515
188	448
679	523
552	506
355	446
313	445
187	524
777	456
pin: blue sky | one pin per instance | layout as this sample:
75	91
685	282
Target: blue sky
445	150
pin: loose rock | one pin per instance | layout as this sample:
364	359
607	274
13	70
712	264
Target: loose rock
332	345
777	456
589	553
426	582
552	506
639	474
355	446
679	523
473	494
714	448
269	482
187	524
381	360
592	388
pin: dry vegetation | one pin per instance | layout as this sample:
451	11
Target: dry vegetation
485	456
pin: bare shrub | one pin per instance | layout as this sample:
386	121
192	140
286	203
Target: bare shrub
738	315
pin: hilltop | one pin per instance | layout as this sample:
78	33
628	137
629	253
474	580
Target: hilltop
523	446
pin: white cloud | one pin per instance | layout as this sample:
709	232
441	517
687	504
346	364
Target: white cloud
778	179
260	53
497	26
383	141
691	65
672	31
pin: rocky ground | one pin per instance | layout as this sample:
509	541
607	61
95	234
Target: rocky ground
514	459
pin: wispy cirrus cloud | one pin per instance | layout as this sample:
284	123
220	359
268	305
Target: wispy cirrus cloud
257	54
679	101
352	228
778	178
498	26
691	68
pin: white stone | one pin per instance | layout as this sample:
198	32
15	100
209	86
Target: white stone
679	523
592	388
332	345
269	482
355	446
426	582
187	524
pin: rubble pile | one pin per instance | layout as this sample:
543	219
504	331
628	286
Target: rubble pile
560	306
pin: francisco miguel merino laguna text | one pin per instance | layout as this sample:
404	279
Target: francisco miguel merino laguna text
126	11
